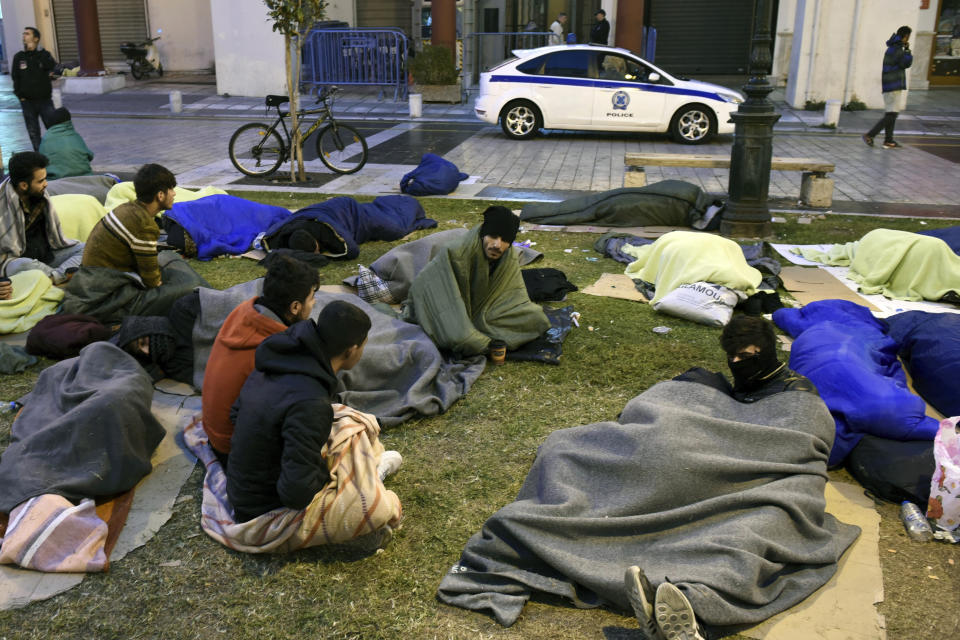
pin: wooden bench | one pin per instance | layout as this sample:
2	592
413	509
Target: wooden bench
816	189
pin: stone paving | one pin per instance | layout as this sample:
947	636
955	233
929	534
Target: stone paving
129	127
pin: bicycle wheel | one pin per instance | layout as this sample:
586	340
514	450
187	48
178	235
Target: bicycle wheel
341	148
256	150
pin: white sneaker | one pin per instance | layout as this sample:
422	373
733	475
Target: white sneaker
390	461
640	594
674	614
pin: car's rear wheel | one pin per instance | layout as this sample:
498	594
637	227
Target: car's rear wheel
520	120
693	124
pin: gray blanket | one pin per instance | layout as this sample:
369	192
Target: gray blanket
86	430
670	203
109	295
399	266
401	374
726	499
93	185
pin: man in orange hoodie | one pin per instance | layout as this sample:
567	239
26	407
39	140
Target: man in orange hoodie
287	298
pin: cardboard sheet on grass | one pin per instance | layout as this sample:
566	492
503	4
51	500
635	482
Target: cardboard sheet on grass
152	505
845	606
880	305
615	285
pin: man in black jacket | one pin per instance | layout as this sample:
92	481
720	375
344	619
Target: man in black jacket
30	70
283	415
600	32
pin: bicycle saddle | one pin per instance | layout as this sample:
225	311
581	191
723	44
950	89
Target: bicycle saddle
273	101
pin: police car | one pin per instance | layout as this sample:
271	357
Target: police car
600	88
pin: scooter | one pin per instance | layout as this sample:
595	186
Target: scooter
142	57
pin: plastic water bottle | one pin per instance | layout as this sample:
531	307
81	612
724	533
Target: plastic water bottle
915	522
10	407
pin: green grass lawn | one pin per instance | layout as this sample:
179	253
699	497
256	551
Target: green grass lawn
458	469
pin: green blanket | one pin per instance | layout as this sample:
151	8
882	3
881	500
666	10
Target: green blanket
669	203
462	306
685	257
897	264
108	294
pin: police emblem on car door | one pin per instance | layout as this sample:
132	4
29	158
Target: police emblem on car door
624	99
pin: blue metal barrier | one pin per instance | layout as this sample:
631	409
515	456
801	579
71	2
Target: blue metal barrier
649	43
367	57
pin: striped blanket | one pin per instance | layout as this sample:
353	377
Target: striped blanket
352	504
50	533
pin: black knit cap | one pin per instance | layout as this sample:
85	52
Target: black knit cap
500	222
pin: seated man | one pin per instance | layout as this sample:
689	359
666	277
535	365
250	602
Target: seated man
283	413
472	291
122	273
126	238
67	152
751	346
287	298
30	235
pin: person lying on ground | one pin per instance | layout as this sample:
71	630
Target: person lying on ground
65	149
283	415
30	234
750	343
126	238
288	297
472	291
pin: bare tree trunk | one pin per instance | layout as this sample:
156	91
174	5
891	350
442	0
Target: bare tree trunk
298	56
294	123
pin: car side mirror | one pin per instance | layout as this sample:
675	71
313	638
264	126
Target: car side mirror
653	77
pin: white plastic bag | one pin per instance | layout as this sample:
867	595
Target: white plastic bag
703	302
944	506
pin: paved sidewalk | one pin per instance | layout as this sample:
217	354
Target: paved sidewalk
132	126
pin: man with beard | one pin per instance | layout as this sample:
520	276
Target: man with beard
30	234
122	273
472	291
751	347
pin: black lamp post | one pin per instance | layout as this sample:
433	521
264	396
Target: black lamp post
747	215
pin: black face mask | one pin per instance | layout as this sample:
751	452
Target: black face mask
748	373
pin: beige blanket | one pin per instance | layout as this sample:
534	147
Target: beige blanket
352	504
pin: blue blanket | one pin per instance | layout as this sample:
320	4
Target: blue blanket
950	235
848	355
434	176
930	349
386	218
222	224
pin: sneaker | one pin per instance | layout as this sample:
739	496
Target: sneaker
390	461
892	145
640	594
867	139
675	615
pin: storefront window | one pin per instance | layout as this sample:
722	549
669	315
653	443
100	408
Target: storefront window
946	46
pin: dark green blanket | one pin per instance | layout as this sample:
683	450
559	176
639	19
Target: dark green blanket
108	295
670	203
462	306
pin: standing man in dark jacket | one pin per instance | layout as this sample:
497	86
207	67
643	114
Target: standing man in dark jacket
896	61
30	70
600	32
283	414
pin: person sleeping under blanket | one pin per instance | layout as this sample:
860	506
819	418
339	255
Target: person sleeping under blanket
472	291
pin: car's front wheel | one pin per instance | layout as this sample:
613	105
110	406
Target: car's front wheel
520	120
693	124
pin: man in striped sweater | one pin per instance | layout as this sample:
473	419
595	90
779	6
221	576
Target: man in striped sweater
126	238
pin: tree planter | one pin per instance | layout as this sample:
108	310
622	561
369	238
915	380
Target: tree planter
438	92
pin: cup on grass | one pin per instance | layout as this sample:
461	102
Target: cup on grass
497	351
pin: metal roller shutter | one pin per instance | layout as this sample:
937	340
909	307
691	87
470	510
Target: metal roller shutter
120	20
703	36
385	13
